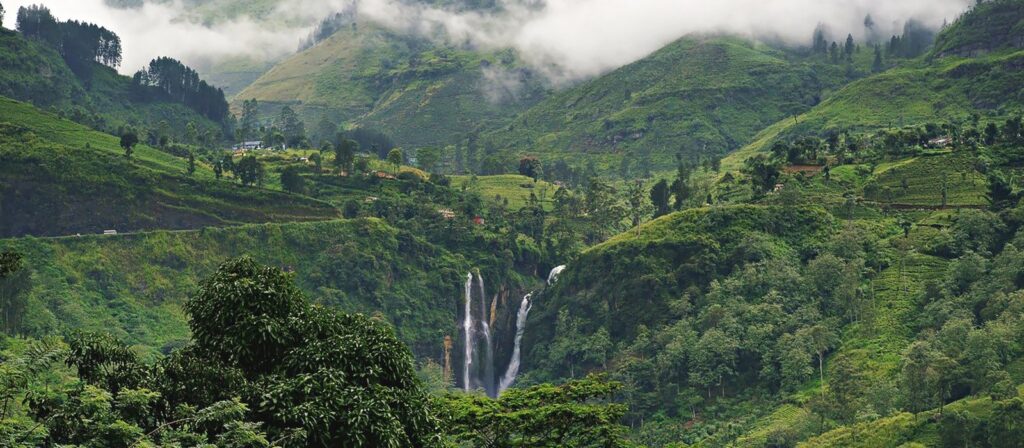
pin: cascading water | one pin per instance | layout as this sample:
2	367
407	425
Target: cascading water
478	369
553	275
467	327
488	379
513	365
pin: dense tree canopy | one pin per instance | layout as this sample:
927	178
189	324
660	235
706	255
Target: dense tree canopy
80	44
169	78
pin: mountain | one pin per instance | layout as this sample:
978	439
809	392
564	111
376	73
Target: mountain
418	93
61	178
697	97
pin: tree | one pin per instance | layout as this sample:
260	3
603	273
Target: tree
639	207
191	133
293	129
660	197
587	415
877	66
169	79
530	167
1	14
763	173
713	359
849	47
344	152
218	169
395	158
250	125
191	164
292	180
821	340
128	141
250	171
15	284
254	320
428	158
317	162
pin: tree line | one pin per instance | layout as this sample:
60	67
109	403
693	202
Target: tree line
79	43
168	78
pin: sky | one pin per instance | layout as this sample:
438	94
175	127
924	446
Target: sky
565	39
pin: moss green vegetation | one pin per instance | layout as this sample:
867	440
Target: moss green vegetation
37	74
696	97
926	90
992	25
418	93
513	189
133	286
60	178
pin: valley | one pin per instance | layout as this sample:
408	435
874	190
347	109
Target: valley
393	239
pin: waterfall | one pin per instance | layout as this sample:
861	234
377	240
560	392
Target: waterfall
488	380
467	326
553	276
513	365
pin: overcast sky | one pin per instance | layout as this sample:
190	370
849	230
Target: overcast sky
568	39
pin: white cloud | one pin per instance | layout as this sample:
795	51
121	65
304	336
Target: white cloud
566	39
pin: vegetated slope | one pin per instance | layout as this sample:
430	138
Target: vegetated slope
35	73
697	96
989	26
928	90
60	178
418	93
133	286
631	280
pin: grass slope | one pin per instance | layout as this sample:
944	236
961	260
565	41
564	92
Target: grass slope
695	96
58	178
418	93
35	73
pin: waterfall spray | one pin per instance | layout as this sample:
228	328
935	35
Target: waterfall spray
467	326
553	276
513	365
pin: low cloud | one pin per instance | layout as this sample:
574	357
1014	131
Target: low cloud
563	39
155	30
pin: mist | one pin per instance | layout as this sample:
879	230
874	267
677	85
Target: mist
563	39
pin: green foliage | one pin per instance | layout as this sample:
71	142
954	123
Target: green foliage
579	413
72	180
696	97
423	94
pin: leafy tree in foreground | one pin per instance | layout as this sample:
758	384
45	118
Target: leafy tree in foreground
579	413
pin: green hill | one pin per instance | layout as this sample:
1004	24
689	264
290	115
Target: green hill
989	26
932	90
59	178
695	97
35	73
417	93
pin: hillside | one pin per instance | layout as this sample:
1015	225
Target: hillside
133	286
417	93
932	90
61	178
697	97
35	73
990	26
